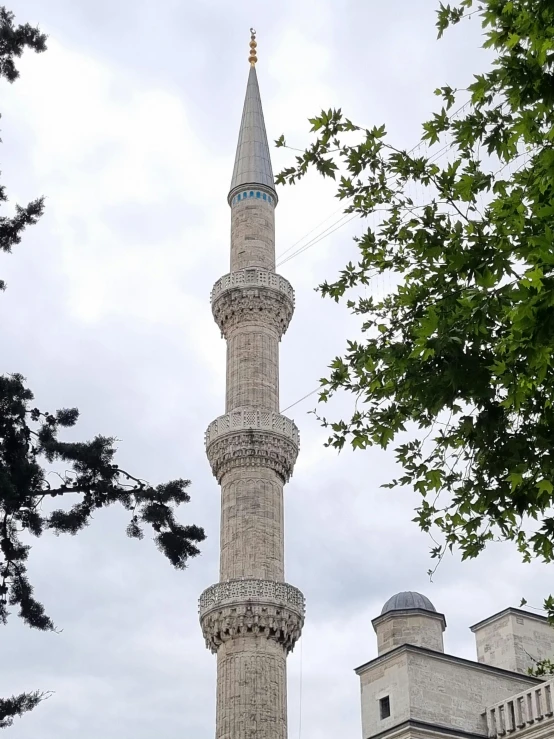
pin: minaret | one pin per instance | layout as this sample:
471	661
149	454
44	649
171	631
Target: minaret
252	618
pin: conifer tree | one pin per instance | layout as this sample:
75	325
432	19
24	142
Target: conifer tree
30	441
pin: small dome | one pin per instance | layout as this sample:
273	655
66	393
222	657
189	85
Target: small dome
408	602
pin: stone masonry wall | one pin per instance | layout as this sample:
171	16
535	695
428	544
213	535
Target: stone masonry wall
433	689
423	631
258	664
253	366
390	678
514	642
450	693
252	525
495	644
533	641
252	235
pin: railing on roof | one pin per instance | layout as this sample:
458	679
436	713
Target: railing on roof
533	707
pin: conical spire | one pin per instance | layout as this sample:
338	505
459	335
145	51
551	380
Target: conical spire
252	161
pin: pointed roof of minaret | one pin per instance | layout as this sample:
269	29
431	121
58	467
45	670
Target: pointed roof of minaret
252	160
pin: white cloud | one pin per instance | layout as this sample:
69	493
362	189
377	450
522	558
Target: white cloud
109	310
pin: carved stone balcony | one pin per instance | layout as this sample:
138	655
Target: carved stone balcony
233	608
249	293
516	715
252	438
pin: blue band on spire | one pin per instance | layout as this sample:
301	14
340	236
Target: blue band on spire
253	194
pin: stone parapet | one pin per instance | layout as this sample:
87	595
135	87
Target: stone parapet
533	707
252	293
252	276
258	607
252	438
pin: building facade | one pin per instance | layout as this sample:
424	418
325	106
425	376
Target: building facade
413	690
252	618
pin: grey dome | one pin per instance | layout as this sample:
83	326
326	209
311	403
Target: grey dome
408	602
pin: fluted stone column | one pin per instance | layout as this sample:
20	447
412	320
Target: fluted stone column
252	618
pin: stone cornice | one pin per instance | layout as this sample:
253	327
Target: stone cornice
252	293
235	608
407	613
507	612
425	729
252	438
446	658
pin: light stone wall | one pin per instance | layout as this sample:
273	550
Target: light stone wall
423	630
251	689
454	694
252	235
514	641
533	641
252	524
389	678
253	366
432	688
495	644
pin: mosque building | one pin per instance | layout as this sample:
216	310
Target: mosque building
413	690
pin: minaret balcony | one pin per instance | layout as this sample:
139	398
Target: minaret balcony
274	610
249	437
252	293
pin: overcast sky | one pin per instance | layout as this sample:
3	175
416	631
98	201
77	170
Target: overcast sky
128	124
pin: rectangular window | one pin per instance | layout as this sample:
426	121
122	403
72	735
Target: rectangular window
384	707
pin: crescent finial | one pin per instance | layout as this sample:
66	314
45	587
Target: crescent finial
253	58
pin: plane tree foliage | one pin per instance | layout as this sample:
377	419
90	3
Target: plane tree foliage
459	352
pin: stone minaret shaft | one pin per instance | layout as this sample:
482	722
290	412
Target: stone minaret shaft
252	618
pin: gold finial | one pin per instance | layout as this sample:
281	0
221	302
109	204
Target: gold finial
253	58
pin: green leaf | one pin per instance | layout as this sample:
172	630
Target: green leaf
544	487
453	290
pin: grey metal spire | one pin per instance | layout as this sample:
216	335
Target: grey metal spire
252	161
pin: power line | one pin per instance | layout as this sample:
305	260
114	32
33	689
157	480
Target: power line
324	235
299	401
330	228
309	232
300	696
319	238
